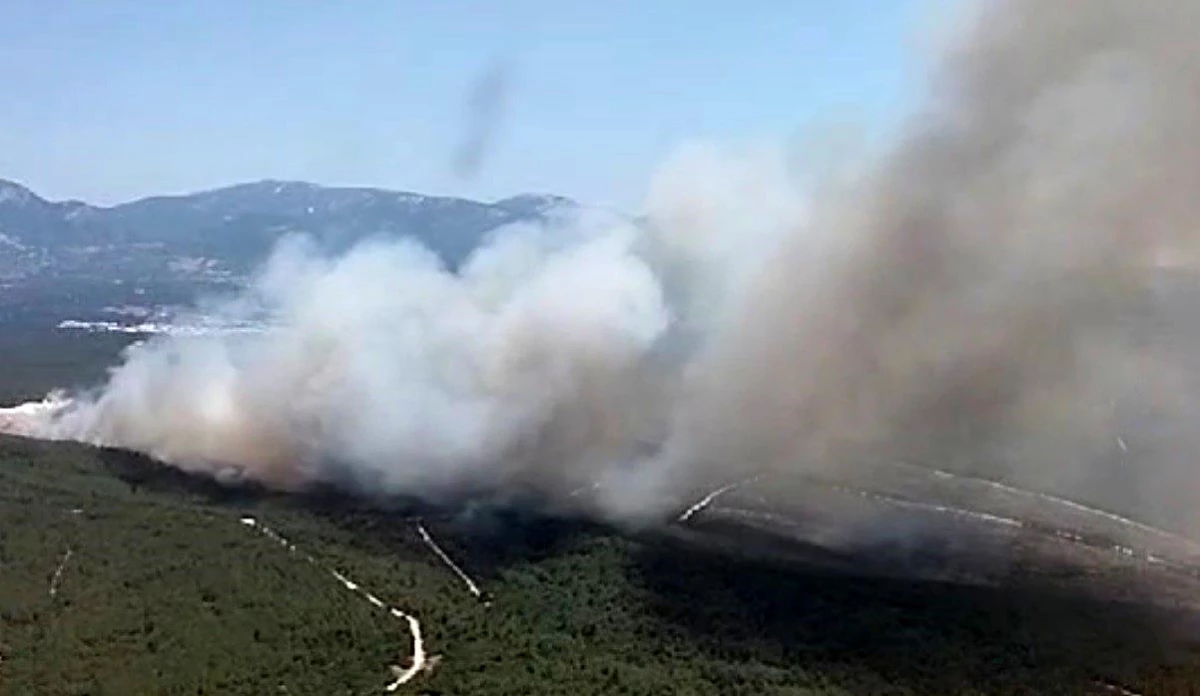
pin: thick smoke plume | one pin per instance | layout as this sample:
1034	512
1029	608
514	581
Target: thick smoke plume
942	306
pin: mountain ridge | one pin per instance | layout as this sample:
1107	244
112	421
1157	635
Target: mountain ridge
11	189
230	229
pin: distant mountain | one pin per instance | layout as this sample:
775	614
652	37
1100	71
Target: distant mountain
228	230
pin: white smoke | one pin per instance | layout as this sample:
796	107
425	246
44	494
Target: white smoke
938	306
384	367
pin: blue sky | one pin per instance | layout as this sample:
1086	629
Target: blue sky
108	100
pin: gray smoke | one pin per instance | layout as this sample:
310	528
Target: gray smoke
948	305
486	102
945	307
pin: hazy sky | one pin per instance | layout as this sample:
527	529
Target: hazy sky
108	100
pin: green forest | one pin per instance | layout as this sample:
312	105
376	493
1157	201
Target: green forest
159	589
164	592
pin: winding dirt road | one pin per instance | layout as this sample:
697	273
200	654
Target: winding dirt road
1064	502
472	587
925	522
57	577
707	500
419	659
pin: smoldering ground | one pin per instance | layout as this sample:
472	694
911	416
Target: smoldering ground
954	304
